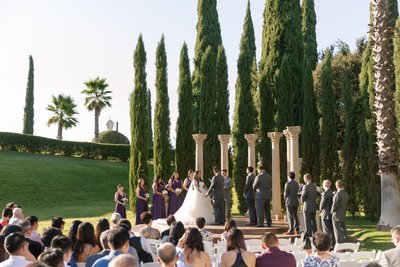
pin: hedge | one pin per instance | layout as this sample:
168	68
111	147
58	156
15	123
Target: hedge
43	145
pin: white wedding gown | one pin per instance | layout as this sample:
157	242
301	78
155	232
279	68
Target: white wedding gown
196	205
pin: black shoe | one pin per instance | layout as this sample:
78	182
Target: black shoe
214	223
250	224
269	225
260	225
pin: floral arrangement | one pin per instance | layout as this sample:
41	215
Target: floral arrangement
146	195
164	192
124	200
178	190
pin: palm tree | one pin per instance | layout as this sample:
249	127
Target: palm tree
63	108
97	99
385	116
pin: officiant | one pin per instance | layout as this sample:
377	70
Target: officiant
120	201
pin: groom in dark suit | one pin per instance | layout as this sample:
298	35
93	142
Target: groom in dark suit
216	191
249	196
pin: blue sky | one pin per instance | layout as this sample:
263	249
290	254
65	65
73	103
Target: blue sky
74	41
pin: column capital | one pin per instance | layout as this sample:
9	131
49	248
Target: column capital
251	138
286	133
294	131
275	136
199	138
224	138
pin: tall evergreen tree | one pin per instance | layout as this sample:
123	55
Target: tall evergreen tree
138	160
222	93
162	162
208	35
243	122
29	99
309	22
184	153
328	122
396	61
149	120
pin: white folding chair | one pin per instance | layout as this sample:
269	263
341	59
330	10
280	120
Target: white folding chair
291	248
362	256
350	264
253	242
254	248
300	258
151	264
342	256
154	244
80	264
208	247
347	246
299	240
284	241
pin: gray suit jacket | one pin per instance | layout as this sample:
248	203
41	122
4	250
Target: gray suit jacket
92	259
227	187
262	186
339	205
290	194
393	257
216	190
326	205
309	197
248	188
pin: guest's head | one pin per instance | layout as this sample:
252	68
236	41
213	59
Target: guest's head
58	222
307	178
170	219
34	222
395	232
9	229
326	184
146	218
37	264
17	213
118	239
84	236
200	222
124	260
229	224
125	223
224	172
104	239
49	234
322	241
115	218
194	240
64	244
73	230
249	169
7	214
26	227
216	169
339	184
373	264
291	175
12	205
101	226
235	240
176	231
16	244
167	254
269	240
52	258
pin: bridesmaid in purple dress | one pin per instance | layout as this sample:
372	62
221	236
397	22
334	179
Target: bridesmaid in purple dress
120	201
141	200
176	196
187	182
158	207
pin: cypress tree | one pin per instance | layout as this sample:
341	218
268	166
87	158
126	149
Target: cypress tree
29	99
222	93
184	153
162	162
328	122
396	61
149	128
138	160
243	122
255	78
309	21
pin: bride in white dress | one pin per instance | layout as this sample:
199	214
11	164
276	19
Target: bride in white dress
196	204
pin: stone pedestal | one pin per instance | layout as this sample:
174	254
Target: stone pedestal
276	177
294	132
224	140
199	139
251	149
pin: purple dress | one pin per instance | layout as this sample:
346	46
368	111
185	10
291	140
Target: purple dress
121	208
188	183
158	207
141	205
175	202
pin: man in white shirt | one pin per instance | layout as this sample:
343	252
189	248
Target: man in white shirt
206	235
17	216
17	246
392	256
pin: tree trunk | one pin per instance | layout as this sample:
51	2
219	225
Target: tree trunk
96	125
59	131
390	201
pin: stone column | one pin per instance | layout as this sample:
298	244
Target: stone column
224	139
199	139
288	156
276	177
251	149
294	132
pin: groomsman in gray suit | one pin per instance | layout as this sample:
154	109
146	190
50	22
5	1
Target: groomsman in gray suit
292	203
325	209
216	191
339	207
309	200
392	256
227	193
249	196
262	187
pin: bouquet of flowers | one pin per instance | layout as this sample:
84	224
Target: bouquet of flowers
124	200
146	195
164	192
178	190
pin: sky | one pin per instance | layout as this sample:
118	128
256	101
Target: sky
73	41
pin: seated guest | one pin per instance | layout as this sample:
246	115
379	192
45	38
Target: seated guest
106	250
34	225
58	222
12	205
207	235
34	247
48	235
118	240
73	230
17	216
124	260
236	254
6	216
322	243
229	224
170	220
3	253
101	226
167	255
273	256
392	256
115	218
190	250
176	233
17	247
85	244
148	231
139	243
64	244
37	264
52	258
